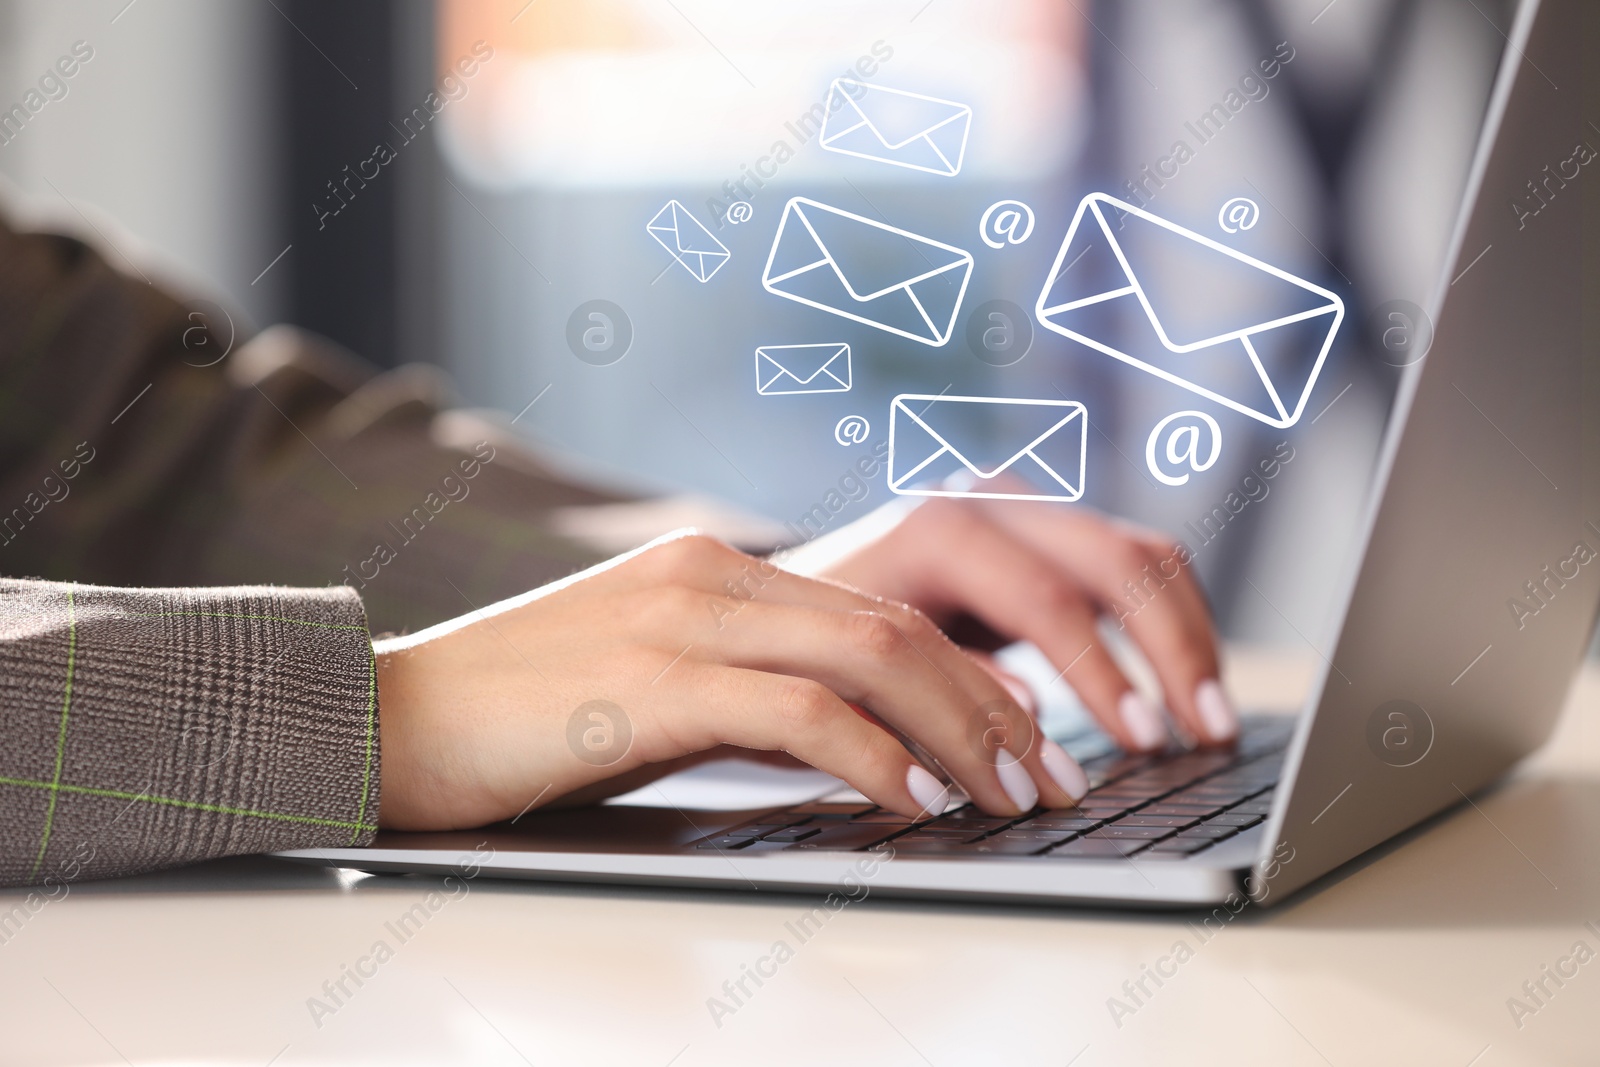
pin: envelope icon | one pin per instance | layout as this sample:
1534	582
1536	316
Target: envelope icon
803	369
960	446
1121	285
690	243
867	271
896	127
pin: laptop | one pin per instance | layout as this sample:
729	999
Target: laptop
1464	622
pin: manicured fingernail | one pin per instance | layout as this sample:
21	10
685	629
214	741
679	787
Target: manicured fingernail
1064	769
1017	783
1143	724
1220	720
1020	693
927	791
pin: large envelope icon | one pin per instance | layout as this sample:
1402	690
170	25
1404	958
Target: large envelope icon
1125	283
690	243
896	127
961	446
867	271
803	369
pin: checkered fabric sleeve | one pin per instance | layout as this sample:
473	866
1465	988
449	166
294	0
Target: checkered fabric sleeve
147	728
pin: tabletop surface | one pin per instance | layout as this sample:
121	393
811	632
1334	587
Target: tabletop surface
1417	954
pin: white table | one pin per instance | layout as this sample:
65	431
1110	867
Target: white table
1408	957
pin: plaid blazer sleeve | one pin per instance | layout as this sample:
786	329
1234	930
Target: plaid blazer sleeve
152	727
196	533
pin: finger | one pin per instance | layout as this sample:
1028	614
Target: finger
944	718
1020	690
1148	586
919	683
803	717
1017	591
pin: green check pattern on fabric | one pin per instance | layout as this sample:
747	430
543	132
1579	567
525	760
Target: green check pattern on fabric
165	726
61	734
228	723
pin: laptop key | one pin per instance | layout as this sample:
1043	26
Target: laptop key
1043	837
1048	822
976	823
725	842
792	833
1240	820
823	810
1103	811
1221	799
1208	830
1252	807
917	845
934	833
1177	822
1097	848
846	838
1114	768
775	821
996	846
1199	811
1146	833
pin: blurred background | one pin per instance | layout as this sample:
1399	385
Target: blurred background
455	182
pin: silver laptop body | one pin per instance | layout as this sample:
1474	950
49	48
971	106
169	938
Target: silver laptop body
1465	622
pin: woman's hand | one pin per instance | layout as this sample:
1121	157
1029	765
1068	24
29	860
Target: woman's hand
995	571
676	649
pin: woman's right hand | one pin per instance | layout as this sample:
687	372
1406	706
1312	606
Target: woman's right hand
676	649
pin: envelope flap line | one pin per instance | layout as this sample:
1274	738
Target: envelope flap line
1070	410
805	366
909	260
691	235
1294	298
897	117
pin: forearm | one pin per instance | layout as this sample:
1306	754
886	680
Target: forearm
148	728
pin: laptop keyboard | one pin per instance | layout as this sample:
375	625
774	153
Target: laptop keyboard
1169	806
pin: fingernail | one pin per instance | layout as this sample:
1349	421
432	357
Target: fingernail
1220	720
1064	770
1142	722
927	791
1017	783
1020	693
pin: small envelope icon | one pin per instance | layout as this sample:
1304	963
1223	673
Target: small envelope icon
896	127
803	369
867	271
690	243
1041	444
1256	343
